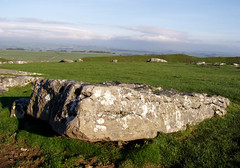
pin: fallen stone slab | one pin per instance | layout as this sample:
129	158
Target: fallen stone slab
113	111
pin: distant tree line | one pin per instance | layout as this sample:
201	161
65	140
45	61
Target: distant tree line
15	49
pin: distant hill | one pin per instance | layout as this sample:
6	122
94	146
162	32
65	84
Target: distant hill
175	58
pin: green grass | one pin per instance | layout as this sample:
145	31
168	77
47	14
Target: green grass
173	58
220	80
38	56
3	60
213	143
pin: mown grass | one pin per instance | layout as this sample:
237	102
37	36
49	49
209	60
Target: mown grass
212	143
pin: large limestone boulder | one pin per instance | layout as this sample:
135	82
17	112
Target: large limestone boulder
118	112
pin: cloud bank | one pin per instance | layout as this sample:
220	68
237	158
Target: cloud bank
48	29
132	37
150	33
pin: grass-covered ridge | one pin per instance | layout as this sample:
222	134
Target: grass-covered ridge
173	58
3	60
213	143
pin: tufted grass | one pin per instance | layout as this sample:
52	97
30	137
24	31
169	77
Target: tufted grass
213	143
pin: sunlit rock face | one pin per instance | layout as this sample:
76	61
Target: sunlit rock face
113	111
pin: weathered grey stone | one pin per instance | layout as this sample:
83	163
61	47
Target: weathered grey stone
204	63
113	111
12	81
236	65
19	62
156	60
14	62
19	108
219	64
115	61
79	60
200	63
66	60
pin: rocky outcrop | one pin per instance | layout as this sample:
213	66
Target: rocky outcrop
118	112
12	78
204	63
156	60
12	81
13	62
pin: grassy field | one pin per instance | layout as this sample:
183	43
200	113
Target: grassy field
37	56
213	143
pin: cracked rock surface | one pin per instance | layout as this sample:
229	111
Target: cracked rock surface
113	111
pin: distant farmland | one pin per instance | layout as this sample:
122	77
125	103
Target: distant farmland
37	56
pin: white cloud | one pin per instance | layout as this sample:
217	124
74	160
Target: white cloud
49	29
41	21
47	32
150	33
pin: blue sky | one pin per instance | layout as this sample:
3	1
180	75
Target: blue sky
149	24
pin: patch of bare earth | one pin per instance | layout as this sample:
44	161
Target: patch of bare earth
12	155
92	163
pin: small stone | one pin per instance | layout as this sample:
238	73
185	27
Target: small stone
79	60
115	61
24	149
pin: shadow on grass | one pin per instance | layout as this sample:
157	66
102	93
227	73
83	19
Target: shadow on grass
7	101
29	123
